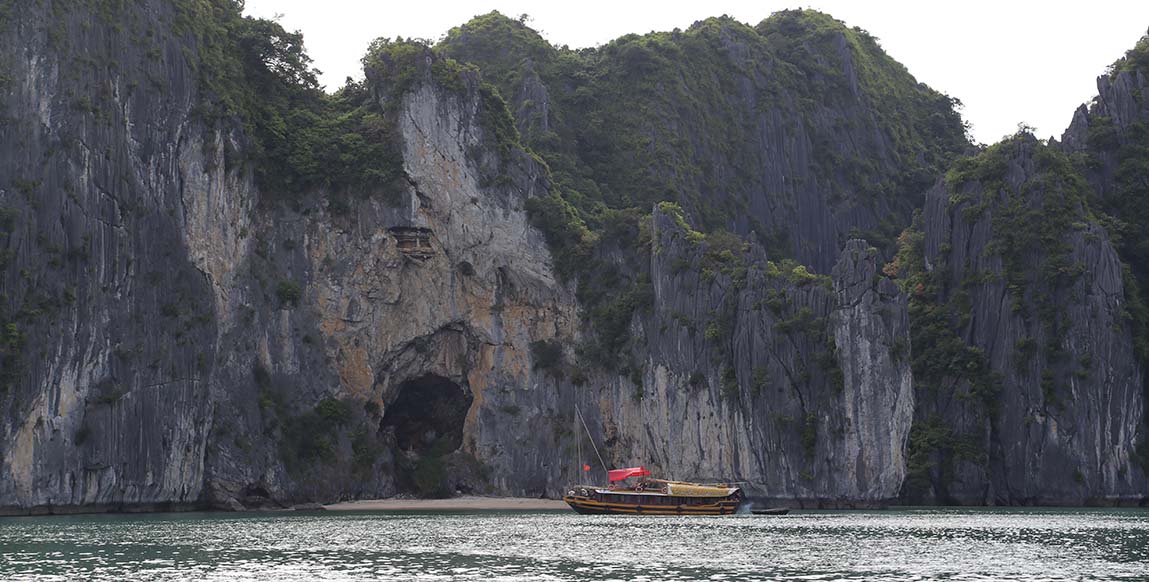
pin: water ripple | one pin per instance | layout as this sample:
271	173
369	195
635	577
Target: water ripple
923	544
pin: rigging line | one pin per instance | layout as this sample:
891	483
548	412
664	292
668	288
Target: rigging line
591	438
578	447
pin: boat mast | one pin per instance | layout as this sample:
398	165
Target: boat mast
591	438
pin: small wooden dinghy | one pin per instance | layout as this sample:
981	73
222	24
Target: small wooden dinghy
770	511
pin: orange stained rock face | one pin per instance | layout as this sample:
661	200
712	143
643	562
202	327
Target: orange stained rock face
355	372
479	312
477	381
331	325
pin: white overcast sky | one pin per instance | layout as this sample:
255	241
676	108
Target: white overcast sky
1008	61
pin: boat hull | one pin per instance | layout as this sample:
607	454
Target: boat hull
590	506
771	511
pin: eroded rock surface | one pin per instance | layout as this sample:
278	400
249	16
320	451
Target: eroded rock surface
177	335
1048	405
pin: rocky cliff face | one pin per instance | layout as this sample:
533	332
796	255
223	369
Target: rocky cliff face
1028	385
800	130
415	319
1112	119
1110	140
768	374
110	314
185	339
193	313
180	343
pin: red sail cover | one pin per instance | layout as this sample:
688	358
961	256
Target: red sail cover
620	474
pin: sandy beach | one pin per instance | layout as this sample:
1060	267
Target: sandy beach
452	504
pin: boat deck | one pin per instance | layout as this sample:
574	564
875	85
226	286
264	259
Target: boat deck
656	497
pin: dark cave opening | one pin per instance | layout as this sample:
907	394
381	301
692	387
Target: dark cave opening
426	420
428	415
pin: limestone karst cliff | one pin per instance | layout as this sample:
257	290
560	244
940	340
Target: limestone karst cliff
220	287
790	381
1028	386
205	345
800	131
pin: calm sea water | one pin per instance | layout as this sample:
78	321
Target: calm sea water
928	544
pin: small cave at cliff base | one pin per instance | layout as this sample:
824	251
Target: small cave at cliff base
426	423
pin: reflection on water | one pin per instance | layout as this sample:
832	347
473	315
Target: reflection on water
926	544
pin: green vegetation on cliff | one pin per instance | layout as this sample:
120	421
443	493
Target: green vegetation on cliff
297	138
5	12
1030	222
1126	211
677	115
1135	59
944	365
11	336
1025	203
684	117
1117	158
920	126
681	116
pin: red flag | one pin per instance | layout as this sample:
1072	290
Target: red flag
586	468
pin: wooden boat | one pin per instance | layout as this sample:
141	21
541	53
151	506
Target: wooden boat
770	511
653	496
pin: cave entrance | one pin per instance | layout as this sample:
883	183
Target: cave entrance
426	420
